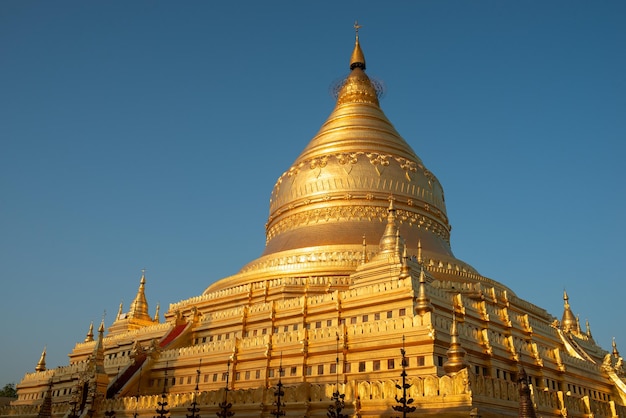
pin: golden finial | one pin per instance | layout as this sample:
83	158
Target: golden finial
568	321
139	306
156	315
419	251
456	353
364	254
388	242
357	60
422	303
404	270
588	328
89	336
356	28
615	352
41	365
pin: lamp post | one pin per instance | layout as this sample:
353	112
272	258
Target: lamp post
335	408
194	404
224	411
162	409
404	401
279	393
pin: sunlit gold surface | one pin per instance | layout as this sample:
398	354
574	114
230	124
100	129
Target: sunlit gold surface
357	266
338	190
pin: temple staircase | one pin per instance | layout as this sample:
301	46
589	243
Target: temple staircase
132	374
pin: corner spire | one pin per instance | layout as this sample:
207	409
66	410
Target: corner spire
405	270
364	253
456	354
388	242
588	329
89	336
568	321
615	352
41	364
97	358
419	252
156	314
422	303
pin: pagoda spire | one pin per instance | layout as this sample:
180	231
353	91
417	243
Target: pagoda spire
404	270
419	252
139	306
357	59
388	242
357	88
41	364
120	310
89	336
568	321
422	302
588	329
364	253
98	350
456	353
156	314
615	352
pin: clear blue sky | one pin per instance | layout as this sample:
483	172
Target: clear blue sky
149	134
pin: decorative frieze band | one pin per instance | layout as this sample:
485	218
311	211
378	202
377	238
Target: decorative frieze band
357	213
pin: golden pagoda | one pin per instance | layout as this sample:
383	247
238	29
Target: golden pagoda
356	308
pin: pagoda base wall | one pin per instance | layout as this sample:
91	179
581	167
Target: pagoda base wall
461	395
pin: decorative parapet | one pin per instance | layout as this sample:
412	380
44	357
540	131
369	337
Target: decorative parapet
286	304
377	288
254	342
38	376
223	314
260	308
325	333
378	327
463	287
218	294
58	409
58	372
491	387
193	350
117	362
288	337
298	262
133	335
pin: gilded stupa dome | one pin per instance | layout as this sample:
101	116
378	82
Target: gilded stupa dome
336	195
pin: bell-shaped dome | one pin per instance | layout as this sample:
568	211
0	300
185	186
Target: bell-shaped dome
336	194
338	189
